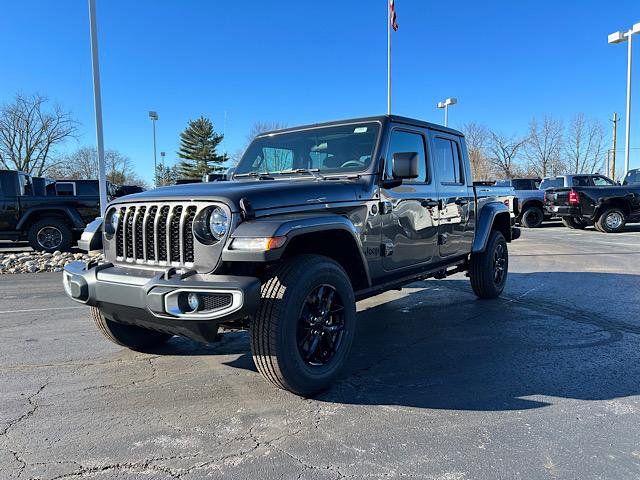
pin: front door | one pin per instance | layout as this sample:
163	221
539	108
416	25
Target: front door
456	196
409	211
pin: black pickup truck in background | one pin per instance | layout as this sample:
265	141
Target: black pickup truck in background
609	208
50	214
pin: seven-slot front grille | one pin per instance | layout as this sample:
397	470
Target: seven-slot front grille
156	234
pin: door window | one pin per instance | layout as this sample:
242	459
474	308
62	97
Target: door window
402	141
448	163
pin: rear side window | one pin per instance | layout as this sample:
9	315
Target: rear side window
65	189
402	141
526	184
447	158
557	182
580	182
88	188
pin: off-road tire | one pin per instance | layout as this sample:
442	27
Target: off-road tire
482	271
574	223
532	217
604	226
273	331
130	336
55	223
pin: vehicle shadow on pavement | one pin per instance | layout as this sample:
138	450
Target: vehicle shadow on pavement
552	334
629	228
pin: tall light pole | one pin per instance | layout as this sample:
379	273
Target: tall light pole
154	117
620	37
445	104
97	102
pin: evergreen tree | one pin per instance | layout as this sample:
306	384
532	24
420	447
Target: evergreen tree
198	144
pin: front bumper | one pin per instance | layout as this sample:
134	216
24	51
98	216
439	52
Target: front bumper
155	300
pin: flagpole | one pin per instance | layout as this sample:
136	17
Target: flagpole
388	58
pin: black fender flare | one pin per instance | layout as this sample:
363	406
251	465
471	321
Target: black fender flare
623	203
485	221
290	227
70	213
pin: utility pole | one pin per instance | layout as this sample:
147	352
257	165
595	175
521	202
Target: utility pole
97	102
613	150
154	117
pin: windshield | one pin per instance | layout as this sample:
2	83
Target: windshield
334	149
632	177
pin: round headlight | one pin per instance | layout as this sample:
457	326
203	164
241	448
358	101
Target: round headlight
218	223
111	224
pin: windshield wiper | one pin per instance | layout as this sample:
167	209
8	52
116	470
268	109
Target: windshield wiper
344	176
260	175
310	171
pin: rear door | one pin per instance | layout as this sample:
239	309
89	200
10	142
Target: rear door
410	229
456	198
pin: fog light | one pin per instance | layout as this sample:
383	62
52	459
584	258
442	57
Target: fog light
193	300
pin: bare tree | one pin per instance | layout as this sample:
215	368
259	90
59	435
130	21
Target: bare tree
503	153
256	129
543	148
260	127
30	132
83	165
477	139
585	148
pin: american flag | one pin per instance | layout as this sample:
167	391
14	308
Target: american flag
392	15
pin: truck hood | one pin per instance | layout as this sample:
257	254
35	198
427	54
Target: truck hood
262	194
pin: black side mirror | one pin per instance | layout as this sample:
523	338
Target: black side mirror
405	165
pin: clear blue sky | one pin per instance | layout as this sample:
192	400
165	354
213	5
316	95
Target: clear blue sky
302	61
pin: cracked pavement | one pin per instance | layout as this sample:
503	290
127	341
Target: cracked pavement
542	383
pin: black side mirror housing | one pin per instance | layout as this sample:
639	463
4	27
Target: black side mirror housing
405	165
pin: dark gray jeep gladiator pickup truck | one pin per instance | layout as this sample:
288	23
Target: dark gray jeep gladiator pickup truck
313	219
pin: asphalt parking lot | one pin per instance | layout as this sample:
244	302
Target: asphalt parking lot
542	383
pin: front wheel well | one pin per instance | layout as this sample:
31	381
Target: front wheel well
502	223
338	245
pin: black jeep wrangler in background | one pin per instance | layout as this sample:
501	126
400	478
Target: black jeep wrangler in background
50	215
314	218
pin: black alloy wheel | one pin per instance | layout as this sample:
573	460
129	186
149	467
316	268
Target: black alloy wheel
499	263
320	326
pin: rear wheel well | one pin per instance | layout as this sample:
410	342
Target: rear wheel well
338	245
532	203
44	214
502	223
615	203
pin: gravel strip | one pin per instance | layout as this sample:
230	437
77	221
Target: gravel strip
36	262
